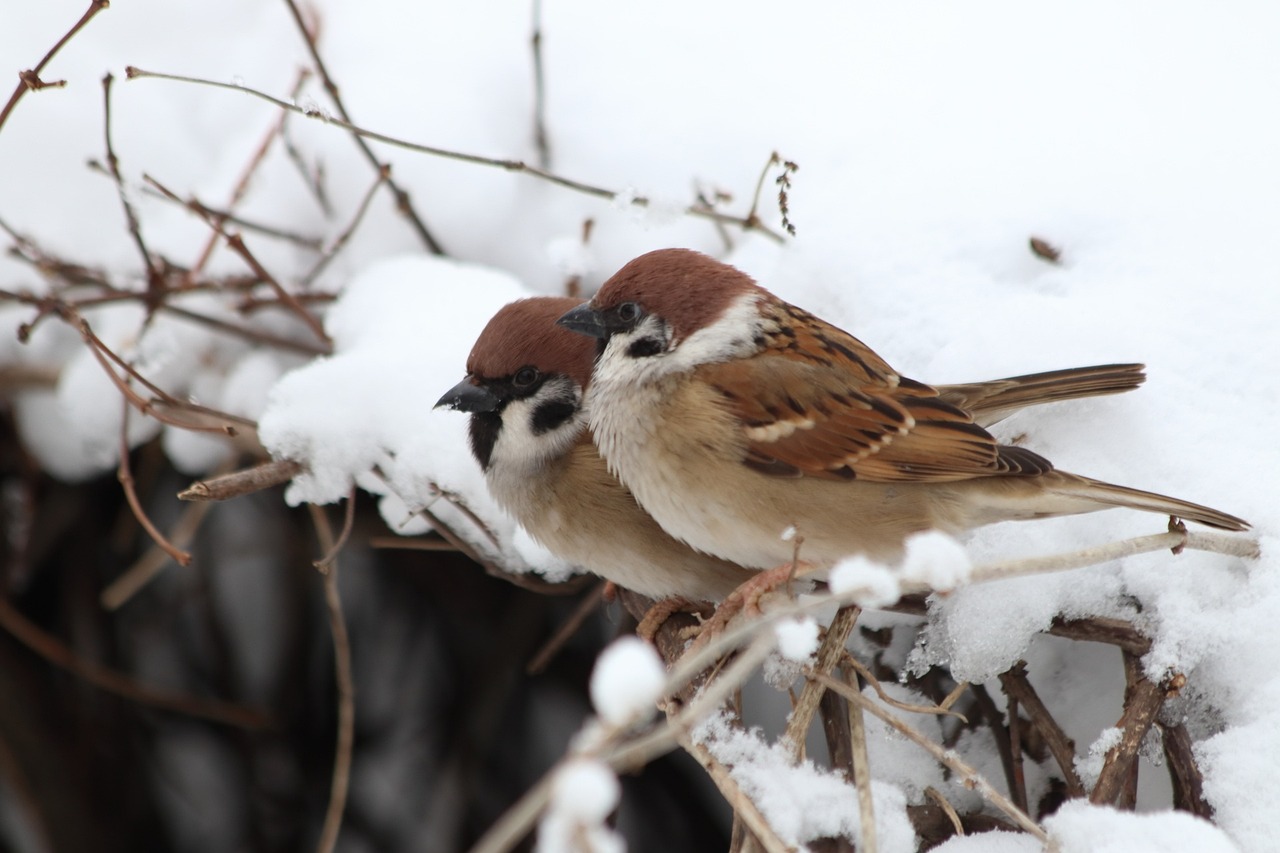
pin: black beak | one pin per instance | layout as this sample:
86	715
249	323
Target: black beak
468	397
585	320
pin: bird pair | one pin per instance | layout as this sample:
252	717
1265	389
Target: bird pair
667	434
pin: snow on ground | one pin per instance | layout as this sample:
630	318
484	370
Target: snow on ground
933	140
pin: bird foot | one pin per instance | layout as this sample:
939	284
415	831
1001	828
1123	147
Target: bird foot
657	615
746	599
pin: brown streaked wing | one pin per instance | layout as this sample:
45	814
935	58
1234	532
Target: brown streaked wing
817	402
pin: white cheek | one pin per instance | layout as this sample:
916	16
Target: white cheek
519	449
732	335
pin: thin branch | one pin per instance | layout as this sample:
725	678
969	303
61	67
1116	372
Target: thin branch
341	241
968	775
235	242
341	779
245	482
1188	783
941	709
1018	688
1018	788
403	203
203	210
155	280
509	165
590	603
30	79
142	572
1140	709
733	794
58	654
244	332
125	475
862	776
242	185
540	138
828	657
947	809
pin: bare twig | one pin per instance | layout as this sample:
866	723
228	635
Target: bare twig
829	655
948	809
142	572
590	603
746	224
125	475
341	779
55	652
969	776
735	797
1188	783
30	79
862	776
155	279
1018	688
242	185
403	203
1018	786
540	138
235	242
345	235
248	481
1142	704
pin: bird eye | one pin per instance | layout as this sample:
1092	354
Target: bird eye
525	377
628	312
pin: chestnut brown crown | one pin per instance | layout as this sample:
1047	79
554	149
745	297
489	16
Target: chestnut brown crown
524	334
687	289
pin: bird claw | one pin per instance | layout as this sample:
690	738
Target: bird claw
1177	525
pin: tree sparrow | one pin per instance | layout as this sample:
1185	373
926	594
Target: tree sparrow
734	416
524	389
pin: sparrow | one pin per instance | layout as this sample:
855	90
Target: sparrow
736	418
524	389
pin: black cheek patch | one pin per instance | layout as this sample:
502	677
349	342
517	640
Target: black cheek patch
483	431
551	415
643	348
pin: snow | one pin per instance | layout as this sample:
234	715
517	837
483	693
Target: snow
1079	827
627	681
933	140
584	792
797	639
803	802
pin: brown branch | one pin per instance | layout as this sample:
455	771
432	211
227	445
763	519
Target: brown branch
861	771
967	774
242	185
519	166
1018	789
30	79
155	280
1188	783
203	210
341	241
540	138
403	203
348	524
235	242
58	654
1143	700
248	334
590	603
1018	688
999	732
145	569
105	356
245	482
125	475
341	778
828	657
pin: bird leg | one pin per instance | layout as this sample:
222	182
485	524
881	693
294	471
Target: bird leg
746	598
661	611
